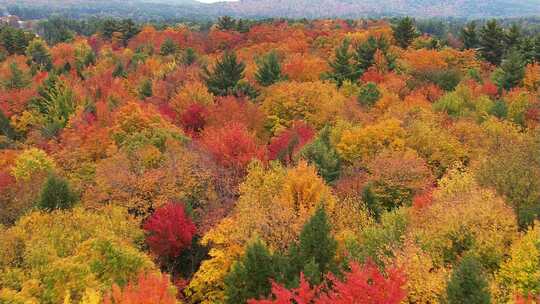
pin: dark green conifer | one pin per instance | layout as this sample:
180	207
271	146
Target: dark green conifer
269	70
169	47
405	32
468	284
225	76
511	72
469	35
342	66
492	44
56	194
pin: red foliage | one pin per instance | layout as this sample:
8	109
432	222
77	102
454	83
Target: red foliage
490	89
363	285
232	146
6	180
230	109
530	299
149	289
193	119
372	75
289	142
170	230
423	200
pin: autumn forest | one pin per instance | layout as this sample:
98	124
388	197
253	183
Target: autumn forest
270	161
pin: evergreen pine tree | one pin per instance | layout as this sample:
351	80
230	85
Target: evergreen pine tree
537	48
17	80
168	47
189	57
369	94
39	54
145	90
513	37
225	76
468	284
469	35
342	67
511	72
365	53
5	127
226	23
269	70
492	42
405	32
250	278
314	254
324	156
119	71
56	194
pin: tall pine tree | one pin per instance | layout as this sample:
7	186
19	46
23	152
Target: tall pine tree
468	284
513	37
492	42
269	70
227	72
314	254
469	35
511	72
56	194
405	32
342	67
250	278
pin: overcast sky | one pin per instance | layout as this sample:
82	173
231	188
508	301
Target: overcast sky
212	1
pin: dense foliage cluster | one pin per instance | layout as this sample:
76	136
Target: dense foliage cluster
273	162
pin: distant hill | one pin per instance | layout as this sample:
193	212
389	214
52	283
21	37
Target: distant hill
167	9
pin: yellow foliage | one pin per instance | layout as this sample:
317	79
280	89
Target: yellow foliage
532	77
317	103
362	144
32	161
191	93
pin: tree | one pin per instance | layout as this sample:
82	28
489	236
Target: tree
226	23
170	231
169	47
146	89
5	127
469	35
512	71
365	53
342	67
286	145
362	285
17	80
56	194
32	161
322	154
513	37
405	32
148	288
269	70
189	57
369	94
250	276
468	284
39	54
492	45
314	255
225	76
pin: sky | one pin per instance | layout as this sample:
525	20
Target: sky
212	1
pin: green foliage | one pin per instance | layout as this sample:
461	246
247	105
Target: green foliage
511	72
365	53
5	127
268	70
324	156
17	80
405	32
56	194
513	36
169	47
30	162
315	253
119	71
38	53
225	76
369	94
250	277
56	30
468	284
189	57
342	67
469	35
492	42
15	41
145	89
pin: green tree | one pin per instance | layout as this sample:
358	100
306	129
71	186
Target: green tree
227	72
342	66
492	42
469	35
119	70
513	36
511	72
314	254
324	156
468	284
369	94
365	53
226	23
17	80
250	276
268	70
5	127
39	55
56	194
405	32
145	89
536	47
189	57
169	47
